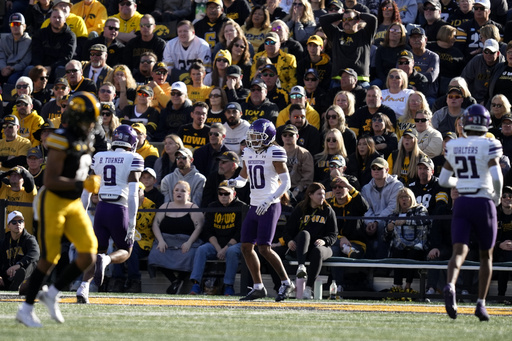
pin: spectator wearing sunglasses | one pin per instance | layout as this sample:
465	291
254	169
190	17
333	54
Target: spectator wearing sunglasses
298	96
28	117
444	119
129	19
109	120
115	48
268	73
161	88
142	112
24	86
286	63
416	80
206	156
430	140
39	77
15	50
19	253
76	79
97	69
51	110
288	44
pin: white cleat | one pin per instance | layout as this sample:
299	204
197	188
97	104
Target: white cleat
28	318
51	303
99	272
82	294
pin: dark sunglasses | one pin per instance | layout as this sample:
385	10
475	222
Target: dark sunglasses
160	73
377	168
59	87
331	116
146	61
222	60
239	46
95	54
21	86
287	135
181	157
423	120
268	74
496	105
175	93
310	79
331	139
223	194
270	42
42	78
15	24
377	120
214	134
215	95
112	28
142	94
72	71
404	63
15	222
106	113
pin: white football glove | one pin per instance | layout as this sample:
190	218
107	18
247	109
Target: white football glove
261	209
130	235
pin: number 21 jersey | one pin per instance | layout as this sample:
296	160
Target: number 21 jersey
469	158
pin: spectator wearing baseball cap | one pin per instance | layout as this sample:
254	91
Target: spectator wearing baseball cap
500	84
236	127
206	156
309	135
355	40
316	95
444	119
257	104
20	253
348	82
13	147
148	178
427	188
433	21
15	50
315	58
286	64
35	161
227	166
298	96
300	162
401	161
268	73
142	112
148	152
176	113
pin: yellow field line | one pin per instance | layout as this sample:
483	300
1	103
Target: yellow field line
290	304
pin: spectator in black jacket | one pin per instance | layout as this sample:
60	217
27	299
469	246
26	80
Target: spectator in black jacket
108	37
19	253
258	105
55	44
208	28
206	157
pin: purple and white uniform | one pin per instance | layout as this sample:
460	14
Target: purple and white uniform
111	217
469	158
264	181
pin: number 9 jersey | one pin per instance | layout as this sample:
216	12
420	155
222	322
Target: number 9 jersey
469	158
263	177
114	167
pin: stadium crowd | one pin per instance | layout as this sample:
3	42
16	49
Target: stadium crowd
364	96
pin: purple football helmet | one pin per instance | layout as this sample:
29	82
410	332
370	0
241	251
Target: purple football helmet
125	136
261	134
476	118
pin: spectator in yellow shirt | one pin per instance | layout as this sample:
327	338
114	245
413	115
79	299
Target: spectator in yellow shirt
94	15
130	20
161	88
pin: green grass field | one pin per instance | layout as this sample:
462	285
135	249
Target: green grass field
153	317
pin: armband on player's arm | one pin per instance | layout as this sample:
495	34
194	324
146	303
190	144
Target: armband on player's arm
497	180
133	204
285	185
86	199
238	182
446	179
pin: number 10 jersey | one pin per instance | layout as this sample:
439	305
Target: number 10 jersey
469	158
263	177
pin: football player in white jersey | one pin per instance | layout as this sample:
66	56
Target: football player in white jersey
264	164
116	212
475	162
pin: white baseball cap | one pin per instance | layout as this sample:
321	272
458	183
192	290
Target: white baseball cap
13	215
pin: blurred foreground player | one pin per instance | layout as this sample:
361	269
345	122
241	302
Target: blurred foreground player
116	212
475	162
59	210
264	163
